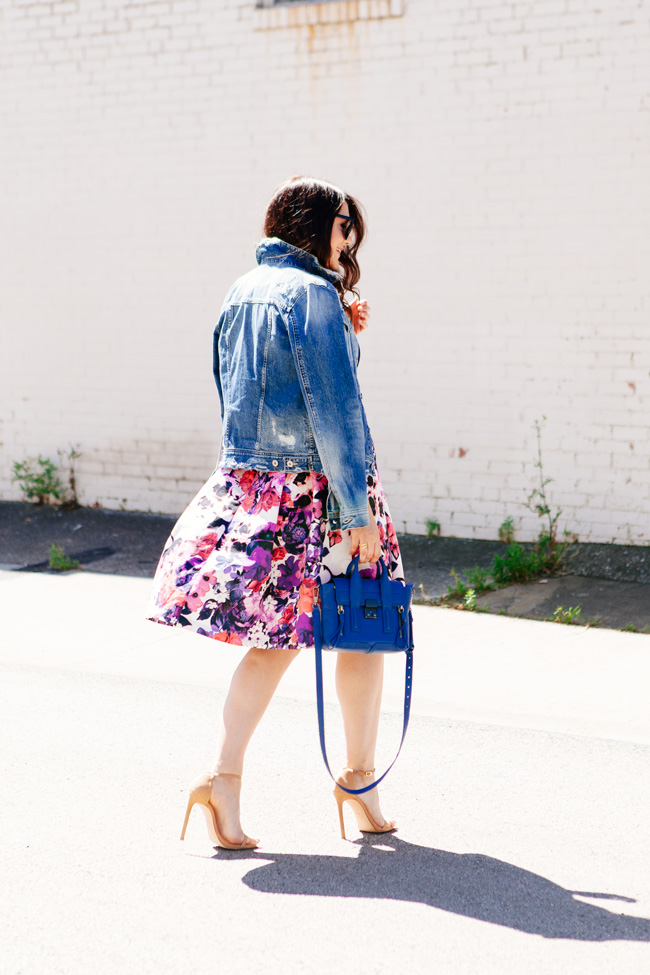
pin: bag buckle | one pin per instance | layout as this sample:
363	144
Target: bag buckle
370	609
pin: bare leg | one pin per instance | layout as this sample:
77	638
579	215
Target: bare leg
359	684
251	689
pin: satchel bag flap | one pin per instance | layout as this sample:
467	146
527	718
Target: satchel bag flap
368	627
401	593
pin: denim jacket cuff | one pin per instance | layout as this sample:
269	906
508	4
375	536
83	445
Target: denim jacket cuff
355	519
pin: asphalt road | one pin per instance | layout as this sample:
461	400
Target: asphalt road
611	583
521	794
517	852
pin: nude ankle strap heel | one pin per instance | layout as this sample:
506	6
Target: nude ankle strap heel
364	817
201	795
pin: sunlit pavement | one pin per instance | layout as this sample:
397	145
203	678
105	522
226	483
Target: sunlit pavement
522	797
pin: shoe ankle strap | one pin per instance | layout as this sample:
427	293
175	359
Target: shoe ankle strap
227	775
360	771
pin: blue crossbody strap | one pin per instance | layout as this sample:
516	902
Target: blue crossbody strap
384	586
408	683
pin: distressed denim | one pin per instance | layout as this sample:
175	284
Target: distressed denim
285	364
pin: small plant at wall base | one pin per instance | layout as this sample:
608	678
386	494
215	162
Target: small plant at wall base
507	530
59	561
519	563
38	479
433	528
538	503
69	457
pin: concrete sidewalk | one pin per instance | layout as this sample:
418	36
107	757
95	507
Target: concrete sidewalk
522	797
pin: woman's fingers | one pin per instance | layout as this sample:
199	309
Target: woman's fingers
365	542
364	552
360	311
361	544
368	551
371	551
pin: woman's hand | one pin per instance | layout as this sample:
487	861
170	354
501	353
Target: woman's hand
359	315
365	541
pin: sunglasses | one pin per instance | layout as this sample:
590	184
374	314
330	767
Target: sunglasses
347	230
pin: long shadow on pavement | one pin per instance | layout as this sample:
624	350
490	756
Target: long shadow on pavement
468	884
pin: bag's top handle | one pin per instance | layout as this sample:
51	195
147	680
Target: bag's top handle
353	567
356	590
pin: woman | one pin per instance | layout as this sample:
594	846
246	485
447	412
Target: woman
295	496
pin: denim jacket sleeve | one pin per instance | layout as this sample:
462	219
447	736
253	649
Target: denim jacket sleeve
331	392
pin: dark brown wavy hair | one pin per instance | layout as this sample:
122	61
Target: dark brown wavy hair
302	211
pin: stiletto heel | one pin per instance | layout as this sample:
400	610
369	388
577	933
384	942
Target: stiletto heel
339	795
201	795
365	820
187	816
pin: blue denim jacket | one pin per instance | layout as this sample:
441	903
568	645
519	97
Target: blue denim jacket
285	364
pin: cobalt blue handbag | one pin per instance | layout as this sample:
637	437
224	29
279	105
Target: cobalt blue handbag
358	615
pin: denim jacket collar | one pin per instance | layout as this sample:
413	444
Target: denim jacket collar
272	250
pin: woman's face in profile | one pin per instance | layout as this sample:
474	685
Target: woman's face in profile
340	231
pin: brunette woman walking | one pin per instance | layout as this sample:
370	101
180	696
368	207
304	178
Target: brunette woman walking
295	496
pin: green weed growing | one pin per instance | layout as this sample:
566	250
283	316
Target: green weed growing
59	561
520	563
573	614
433	528
38	479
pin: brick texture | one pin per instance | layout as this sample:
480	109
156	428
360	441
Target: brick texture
502	152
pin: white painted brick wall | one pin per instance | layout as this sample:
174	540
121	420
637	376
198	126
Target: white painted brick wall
502	151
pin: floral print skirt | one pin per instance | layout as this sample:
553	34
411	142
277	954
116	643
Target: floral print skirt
243	562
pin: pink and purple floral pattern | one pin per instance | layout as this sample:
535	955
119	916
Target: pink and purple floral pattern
243	562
